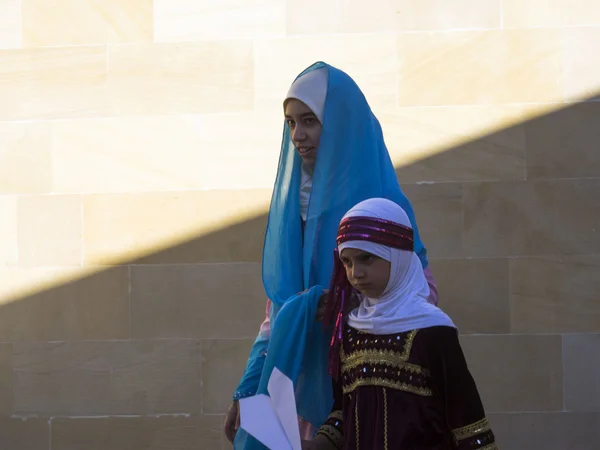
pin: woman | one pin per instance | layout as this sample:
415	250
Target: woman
333	155
401	379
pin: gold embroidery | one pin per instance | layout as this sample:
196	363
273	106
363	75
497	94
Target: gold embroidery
356	422
333	434
426	392
337	415
471	430
403	356
388	358
385	420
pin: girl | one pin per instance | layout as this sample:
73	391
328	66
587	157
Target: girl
401	381
332	156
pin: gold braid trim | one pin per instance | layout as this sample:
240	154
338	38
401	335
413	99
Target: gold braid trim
372	357
425	392
337	415
387	354
471	430
385	420
356	423
333	434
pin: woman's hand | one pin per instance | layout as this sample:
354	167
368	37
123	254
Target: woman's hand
232	421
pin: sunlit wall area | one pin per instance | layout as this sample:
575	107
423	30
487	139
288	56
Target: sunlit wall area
139	141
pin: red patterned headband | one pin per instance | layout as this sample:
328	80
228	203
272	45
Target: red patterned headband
380	231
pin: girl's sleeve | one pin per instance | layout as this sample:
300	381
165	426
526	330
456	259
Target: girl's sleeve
465	415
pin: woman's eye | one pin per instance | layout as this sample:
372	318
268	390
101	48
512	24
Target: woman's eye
290	123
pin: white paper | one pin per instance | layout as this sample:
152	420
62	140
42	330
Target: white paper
273	420
281	390
259	419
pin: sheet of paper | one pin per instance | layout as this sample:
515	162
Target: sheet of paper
259	419
281	390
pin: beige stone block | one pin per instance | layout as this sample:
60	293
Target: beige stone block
223	363
370	59
550	431
224	151
340	16
6	383
49	230
581	63
563	144
24	434
472	143
189	20
437	204
186	78
77	22
8	230
555	13
442	15
204	301
175	227
480	67
474	292
156	377
516	372
10	24
582	372
25	158
52	379
127	433
531	218
555	295
53	83
110	377
48	304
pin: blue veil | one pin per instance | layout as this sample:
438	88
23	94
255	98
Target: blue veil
353	164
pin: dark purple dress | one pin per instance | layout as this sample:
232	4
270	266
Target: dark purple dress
406	391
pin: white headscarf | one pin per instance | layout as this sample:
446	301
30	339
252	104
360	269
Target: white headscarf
310	89
403	306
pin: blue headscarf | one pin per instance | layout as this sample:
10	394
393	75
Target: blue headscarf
352	165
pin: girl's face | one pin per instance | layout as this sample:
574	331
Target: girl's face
367	273
305	130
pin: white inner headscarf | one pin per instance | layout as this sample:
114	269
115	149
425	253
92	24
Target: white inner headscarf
310	89
403	306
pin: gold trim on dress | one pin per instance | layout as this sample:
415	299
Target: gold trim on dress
471	430
373	357
374	381
385	420
337	415
356	423
399	356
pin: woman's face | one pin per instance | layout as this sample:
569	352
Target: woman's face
305	130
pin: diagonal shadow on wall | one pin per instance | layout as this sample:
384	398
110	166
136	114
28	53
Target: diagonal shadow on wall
503	195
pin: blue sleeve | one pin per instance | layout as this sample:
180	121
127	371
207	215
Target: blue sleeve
256	361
